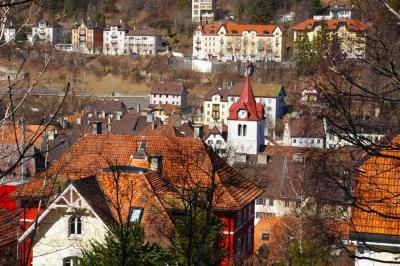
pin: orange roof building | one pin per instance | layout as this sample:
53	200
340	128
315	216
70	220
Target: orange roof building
376	212
232	42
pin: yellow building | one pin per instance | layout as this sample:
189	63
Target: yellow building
87	37
350	34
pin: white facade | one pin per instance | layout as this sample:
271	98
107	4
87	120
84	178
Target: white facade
53	241
248	45
333	141
246	137
45	32
383	256
217	142
274	207
216	111
9	34
173	99
114	41
142	44
202	10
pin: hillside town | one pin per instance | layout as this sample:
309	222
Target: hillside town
199	132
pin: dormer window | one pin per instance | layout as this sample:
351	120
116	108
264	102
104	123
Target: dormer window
142	146
266	32
135	214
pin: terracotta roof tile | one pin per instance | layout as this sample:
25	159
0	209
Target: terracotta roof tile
238	29
306	127
170	88
331	24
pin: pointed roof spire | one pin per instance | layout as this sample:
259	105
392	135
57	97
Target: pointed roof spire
255	111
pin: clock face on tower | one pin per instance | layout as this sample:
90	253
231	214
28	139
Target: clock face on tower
242	114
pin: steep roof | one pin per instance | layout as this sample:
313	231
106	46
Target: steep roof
9	223
255	111
332	24
238	29
95	152
170	88
377	190
306	127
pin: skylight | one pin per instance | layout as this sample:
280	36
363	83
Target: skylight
135	214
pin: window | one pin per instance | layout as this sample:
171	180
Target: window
318	141
244	130
294	140
260	201
71	261
215	111
286	203
210	142
239	218
298	204
75	225
271	202
239	130
265	236
219	142
135	214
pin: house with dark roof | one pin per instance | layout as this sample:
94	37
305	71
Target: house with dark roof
87	37
152	163
168	92
304	131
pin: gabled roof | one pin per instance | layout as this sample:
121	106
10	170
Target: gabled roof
306	127
223	93
9	223
169	88
94	152
255	111
331	24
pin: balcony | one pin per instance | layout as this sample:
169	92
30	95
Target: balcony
260	48
237	48
82	33
221	41
198	41
229	48
114	36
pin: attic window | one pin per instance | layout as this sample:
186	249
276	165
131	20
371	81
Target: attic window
142	146
265	236
266	32
234	32
135	214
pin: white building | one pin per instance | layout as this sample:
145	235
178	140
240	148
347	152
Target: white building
114	38
238	42
174	93
246	123
45	31
216	138
203	10
9	32
304	131
341	12
216	107
142	42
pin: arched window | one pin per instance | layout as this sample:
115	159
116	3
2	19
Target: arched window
239	130
244	130
75	225
71	261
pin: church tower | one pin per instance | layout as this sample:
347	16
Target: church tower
246	122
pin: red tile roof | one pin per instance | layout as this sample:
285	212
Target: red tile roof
185	163
331	24
169	88
238	29
377	191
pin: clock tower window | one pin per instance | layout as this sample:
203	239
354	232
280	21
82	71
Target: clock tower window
239	130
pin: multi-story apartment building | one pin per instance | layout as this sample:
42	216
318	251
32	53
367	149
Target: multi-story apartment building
142	42
350	34
203	10
238	42
45	31
174	93
114	38
216	107
304	131
119	39
87	37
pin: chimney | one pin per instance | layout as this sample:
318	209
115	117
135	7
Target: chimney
377	110
138	108
96	128
198	131
149	118
109	124
156	163
119	115
22	147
